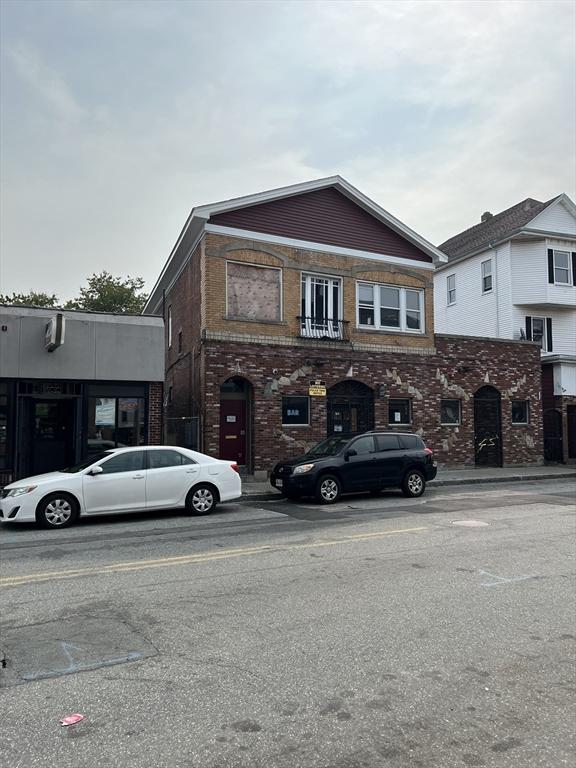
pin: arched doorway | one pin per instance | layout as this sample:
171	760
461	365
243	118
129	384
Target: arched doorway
350	408
235	420
487	428
553	435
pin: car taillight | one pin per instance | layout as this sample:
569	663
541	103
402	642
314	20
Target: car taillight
428	451
235	467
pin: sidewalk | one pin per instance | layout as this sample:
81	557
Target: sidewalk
255	489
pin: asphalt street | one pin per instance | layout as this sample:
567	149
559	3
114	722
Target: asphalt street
428	633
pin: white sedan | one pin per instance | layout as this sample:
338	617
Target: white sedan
122	480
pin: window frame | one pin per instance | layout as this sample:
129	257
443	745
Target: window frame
449	290
302	397
566	269
520	423
451	423
165	449
169	325
403	327
410	414
229	316
103	462
484	275
544	344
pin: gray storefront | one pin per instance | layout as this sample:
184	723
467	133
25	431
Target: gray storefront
73	383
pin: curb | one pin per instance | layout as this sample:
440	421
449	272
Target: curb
272	495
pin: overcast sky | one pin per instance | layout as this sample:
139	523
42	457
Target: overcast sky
119	117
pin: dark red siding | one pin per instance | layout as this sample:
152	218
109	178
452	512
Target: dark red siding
325	216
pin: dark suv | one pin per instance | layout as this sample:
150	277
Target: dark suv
346	464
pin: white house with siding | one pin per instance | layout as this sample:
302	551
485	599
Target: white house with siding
513	276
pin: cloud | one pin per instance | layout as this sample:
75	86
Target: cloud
119	117
49	89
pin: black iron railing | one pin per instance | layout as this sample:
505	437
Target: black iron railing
327	329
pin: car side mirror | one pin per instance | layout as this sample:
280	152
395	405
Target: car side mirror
95	471
349	453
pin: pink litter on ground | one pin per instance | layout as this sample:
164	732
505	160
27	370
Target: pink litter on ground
71	719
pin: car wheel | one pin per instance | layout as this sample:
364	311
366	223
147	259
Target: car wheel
58	510
201	500
413	484
328	489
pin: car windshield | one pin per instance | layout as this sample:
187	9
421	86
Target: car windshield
329	447
88	462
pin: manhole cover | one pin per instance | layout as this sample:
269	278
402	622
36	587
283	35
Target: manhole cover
470	523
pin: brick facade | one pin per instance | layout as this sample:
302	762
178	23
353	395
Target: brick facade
275	360
155	410
457	368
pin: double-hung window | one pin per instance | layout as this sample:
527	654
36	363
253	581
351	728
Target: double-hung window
562	267
451	289
321	307
386	307
540	329
486	276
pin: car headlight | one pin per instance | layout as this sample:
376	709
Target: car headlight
303	468
20	491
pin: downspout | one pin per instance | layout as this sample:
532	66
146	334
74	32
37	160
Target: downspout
496	296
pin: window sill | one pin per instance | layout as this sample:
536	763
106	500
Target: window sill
520	423
452	424
297	426
388	331
254	320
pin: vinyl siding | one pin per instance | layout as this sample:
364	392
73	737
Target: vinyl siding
325	216
563	326
530	274
565	379
556	218
476	313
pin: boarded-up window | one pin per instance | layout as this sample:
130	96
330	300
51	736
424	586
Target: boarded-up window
253	292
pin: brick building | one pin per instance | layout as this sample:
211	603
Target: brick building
513	276
307	311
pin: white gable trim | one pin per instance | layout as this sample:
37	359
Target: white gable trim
562	199
206	211
319	247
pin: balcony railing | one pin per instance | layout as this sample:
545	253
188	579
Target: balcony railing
323	328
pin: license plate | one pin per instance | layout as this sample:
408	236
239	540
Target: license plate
278	483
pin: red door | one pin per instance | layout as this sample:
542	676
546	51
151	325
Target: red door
233	430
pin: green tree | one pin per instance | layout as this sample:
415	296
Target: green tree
106	293
31	299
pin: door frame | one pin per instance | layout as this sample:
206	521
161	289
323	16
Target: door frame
489	394
362	398
247	396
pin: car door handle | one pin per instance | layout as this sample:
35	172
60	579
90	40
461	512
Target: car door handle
191	471
137	477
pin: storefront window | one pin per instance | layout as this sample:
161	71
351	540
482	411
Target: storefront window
115	422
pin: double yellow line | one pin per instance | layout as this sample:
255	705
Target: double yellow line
202	557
